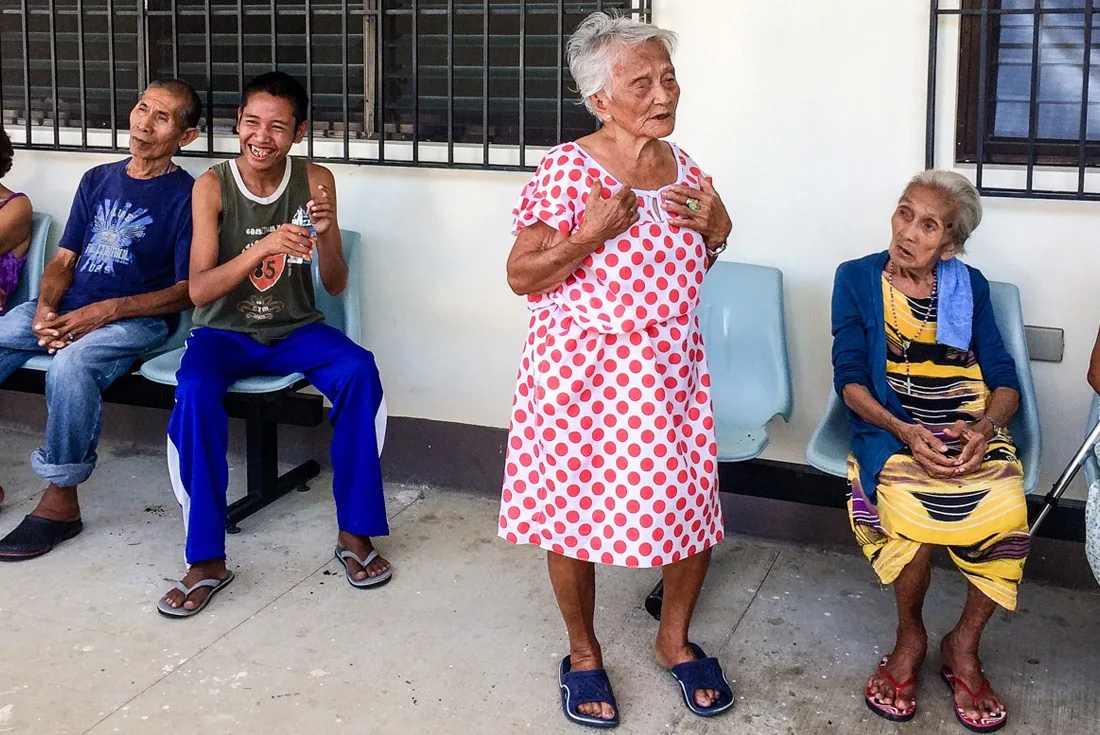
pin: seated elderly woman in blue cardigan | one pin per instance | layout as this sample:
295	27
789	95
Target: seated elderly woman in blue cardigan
930	388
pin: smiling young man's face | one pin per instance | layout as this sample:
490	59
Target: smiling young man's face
267	130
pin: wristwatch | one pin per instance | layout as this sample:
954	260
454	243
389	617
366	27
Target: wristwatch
714	252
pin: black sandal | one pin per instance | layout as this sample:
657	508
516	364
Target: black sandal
36	536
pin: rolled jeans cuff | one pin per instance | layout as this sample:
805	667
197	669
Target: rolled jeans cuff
62	475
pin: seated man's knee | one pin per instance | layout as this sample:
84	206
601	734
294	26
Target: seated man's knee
69	369
196	380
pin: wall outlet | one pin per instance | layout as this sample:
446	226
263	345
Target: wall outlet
1045	344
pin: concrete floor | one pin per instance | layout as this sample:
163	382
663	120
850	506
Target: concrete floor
466	638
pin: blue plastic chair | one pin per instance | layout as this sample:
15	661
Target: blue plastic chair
741	315
829	446
265	484
29	279
341	312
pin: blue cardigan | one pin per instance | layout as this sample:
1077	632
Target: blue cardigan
859	354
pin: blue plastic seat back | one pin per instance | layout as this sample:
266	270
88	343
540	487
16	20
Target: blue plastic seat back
1024	426
829	446
29	279
342	312
741	316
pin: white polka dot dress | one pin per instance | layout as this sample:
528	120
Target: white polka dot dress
611	452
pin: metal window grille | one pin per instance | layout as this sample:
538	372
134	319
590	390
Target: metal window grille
450	83
1027	113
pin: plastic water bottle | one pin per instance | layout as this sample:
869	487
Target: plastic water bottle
301	218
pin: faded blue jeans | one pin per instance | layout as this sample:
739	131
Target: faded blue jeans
75	382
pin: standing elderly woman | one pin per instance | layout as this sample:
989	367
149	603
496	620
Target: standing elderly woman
611	452
920	363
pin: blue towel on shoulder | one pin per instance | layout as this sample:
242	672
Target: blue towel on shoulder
954	304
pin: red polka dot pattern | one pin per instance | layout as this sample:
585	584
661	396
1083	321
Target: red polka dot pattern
611	454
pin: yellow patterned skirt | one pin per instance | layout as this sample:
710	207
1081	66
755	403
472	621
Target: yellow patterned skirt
980	518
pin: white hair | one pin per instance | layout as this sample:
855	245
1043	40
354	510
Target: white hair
960	195
592	49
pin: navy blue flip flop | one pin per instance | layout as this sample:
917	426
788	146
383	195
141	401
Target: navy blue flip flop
703	673
583	687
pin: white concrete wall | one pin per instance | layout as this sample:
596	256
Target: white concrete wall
810	121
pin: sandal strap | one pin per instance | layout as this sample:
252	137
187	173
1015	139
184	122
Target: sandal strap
198	585
908	683
975	696
346	554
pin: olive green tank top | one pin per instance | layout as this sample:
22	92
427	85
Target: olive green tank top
277	297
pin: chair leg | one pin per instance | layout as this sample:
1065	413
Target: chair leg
655	600
265	485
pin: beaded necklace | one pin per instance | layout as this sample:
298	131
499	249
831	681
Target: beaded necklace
897	324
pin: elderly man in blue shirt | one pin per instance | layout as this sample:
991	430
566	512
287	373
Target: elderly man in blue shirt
113	292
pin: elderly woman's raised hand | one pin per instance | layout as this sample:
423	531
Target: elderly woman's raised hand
607	216
701	210
930	451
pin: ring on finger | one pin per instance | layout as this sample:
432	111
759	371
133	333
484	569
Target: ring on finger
69	337
692	204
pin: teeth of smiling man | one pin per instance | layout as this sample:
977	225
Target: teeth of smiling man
259	152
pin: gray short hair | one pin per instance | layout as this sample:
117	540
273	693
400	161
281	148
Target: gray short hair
191	112
593	46
960	195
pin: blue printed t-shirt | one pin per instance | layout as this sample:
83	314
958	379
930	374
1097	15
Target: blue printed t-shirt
133	236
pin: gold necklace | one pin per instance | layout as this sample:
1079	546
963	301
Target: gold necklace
897	324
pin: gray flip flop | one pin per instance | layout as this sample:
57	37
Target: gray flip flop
215	585
342	555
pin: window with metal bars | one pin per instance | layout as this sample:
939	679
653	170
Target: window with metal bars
1028	107
465	83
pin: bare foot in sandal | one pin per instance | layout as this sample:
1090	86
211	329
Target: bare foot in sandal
213	569
362	547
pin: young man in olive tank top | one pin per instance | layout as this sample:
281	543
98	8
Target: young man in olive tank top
252	285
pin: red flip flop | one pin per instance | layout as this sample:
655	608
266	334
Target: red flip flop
890	711
973	724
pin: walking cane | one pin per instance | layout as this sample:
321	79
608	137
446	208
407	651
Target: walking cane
1055	494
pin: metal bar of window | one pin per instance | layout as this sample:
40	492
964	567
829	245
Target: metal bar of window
380	88
450	81
930	111
274	36
309	77
175	42
485	83
142	42
1086	76
416	79
560	74
25	19
344	77
53	73
983	46
522	81
80	66
209	41
111	80
1033	106
240	56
